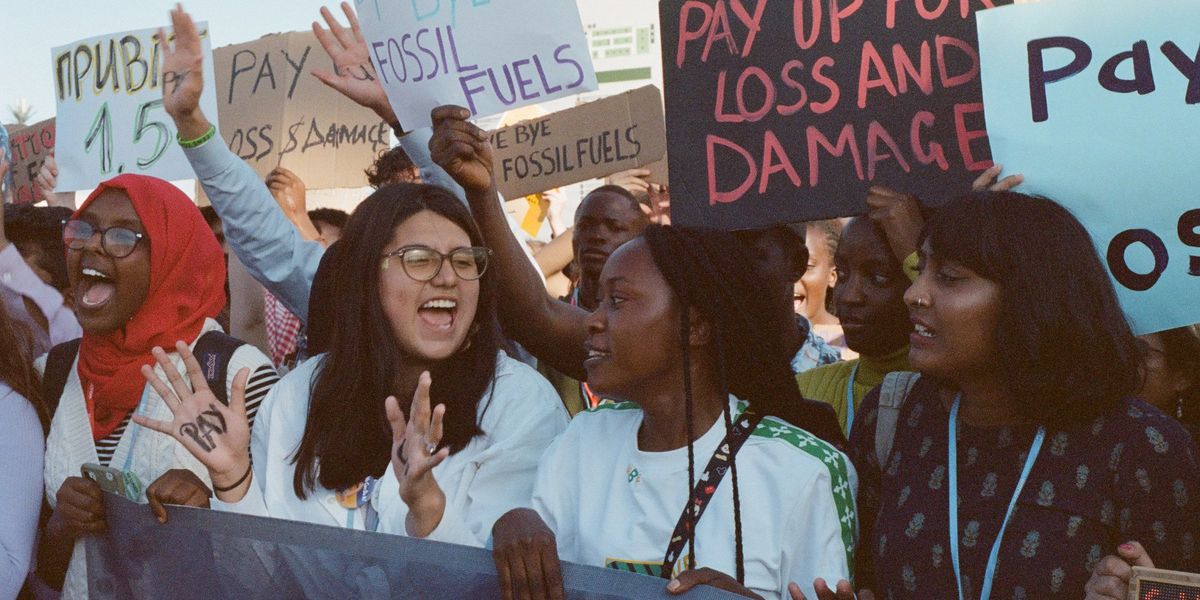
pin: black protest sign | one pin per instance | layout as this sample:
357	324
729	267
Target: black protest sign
784	111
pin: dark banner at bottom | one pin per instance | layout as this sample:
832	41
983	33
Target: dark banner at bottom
205	554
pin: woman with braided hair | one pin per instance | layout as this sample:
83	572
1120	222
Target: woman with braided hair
683	336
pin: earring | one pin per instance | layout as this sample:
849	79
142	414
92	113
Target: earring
1179	408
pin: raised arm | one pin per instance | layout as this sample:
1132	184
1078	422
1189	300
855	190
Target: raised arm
553	331
259	234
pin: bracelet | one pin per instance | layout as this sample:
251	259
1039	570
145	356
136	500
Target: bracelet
239	482
208	135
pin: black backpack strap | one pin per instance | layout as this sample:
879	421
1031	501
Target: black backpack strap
58	369
213	351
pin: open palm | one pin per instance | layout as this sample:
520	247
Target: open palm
217	435
182	68
354	75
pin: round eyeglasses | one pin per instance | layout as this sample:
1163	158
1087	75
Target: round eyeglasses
117	242
423	263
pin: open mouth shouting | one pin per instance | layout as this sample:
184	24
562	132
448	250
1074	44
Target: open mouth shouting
95	288
438	314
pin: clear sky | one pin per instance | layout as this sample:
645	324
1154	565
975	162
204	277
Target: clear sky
31	29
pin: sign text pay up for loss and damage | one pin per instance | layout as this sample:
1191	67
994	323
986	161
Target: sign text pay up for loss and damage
804	104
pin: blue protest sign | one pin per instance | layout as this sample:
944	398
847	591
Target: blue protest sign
205	554
1097	103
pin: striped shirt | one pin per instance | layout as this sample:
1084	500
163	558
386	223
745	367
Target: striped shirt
260	382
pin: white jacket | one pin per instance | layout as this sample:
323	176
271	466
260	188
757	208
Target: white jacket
493	474
147	453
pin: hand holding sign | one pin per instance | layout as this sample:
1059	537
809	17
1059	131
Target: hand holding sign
354	75
462	149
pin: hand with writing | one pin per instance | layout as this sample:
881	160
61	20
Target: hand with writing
354	75
899	216
1110	577
842	591
462	149
415	453
986	182
183	78
217	435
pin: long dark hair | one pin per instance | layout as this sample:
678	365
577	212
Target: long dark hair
347	436
1062	343
712	273
16	366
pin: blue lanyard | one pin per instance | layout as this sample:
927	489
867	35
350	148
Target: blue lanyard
133	483
365	500
990	572
850	398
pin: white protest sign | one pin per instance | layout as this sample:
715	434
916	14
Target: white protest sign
487	55
110	113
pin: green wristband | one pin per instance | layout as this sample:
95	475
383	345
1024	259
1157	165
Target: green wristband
208	135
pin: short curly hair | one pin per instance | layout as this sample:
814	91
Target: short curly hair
392	166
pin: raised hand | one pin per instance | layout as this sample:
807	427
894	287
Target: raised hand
217	435
986	182
354	75
288	190
461	149
659	210
843	591
183	77
414	455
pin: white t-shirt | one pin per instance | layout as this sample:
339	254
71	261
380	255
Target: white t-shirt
493	474
612	505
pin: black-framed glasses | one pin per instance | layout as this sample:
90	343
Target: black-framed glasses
423	263
117	242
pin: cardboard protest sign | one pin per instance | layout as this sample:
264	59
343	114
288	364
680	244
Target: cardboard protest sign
1095	102
789	111
275	113
110	113
487	56
592	140
30	146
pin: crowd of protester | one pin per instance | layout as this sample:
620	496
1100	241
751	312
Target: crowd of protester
912	403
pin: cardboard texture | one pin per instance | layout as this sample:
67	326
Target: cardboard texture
592	140
782	112
110	116
275	113
30	146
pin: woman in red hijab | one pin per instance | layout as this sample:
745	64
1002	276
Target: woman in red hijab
145	271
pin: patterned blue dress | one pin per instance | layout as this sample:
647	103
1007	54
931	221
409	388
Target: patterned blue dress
1130	474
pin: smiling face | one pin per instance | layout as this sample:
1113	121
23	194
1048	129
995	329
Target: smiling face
429	319
633	335
819	276
870	294
604	221
955	313
108	291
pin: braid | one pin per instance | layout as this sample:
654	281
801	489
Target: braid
691	453
739	555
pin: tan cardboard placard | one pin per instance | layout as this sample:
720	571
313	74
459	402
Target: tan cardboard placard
275	113
593	140
30	146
